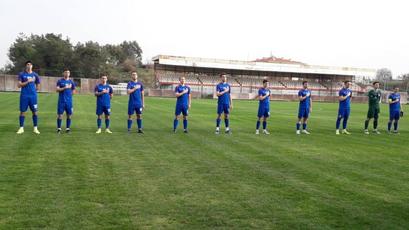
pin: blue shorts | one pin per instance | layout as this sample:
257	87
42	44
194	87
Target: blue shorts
103	109
303	112
28	101
263	112
223	108
344	113
134	108
184	109
394	115
67	107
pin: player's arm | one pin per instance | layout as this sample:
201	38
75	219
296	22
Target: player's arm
22	84
111	92
190	100
131	90
231	102
177	94
74	90
143	98
310	104
58	88
343	98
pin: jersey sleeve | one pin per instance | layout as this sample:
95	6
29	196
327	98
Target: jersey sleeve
96	89
37	79
129	86
299	93
229	88
176	89
110	90
218	88
58	83
72	85
341	93
188	90
260	92
141	87
20	77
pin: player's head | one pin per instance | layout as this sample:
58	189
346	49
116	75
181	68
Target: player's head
305	84
182	80
265	83
66	73
223	77
28	65
395	89
347	84
375	84
104	79
134	75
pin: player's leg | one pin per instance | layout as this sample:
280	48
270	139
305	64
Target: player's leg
396	120
338	123
304	124
298	124
226	111
375	121
34	109
218	119
260	114
68	112
22	116
131	111
265	124
178	111
185	113
107	120
369	116
98	112
345	121
139	119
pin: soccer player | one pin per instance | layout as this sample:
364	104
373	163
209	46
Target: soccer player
29	82
263	107
394	110
183	103
374	96
136	103
304	109
65	89
344	110
224	103
103	92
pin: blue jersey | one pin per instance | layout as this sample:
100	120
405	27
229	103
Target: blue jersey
306	103
394	106
184	99
225	98
135	98
346	104
65	96
30	88
266	101
103	99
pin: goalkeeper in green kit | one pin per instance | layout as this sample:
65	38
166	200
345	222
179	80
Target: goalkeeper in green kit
374	99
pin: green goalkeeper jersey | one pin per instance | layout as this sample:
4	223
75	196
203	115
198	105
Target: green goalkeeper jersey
374	96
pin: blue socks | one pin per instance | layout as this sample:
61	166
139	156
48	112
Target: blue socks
298	125
344	123
257	125
107	121
99	122
218	122
264	124
185	124
59	121
175	124
389	125
68	123
139	122
129	124
304	126
395	125
35	120
21	119
226	123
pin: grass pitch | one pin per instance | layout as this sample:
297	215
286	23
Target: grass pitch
200	180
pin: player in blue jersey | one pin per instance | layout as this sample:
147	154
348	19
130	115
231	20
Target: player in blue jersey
29	82
394	110
304	109
103	92
345	95
136	103
263	107
183	103
224	103
65	89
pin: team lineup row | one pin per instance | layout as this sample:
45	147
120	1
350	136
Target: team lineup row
29	83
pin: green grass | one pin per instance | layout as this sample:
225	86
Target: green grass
200	180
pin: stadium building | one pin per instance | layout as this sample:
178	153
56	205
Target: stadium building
245	77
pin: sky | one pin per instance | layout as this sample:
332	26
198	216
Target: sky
366	34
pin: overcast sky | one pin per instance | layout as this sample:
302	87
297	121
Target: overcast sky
372	34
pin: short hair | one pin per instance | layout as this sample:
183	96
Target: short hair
66	69
222	74
265	80
28	61
304	82
375	82
134	71
103	74
346	81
